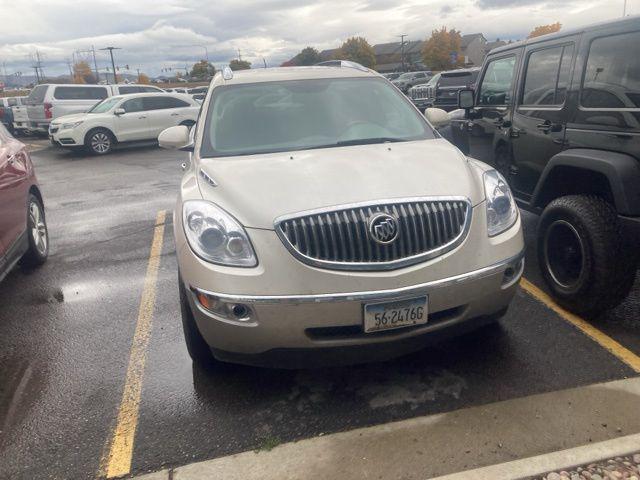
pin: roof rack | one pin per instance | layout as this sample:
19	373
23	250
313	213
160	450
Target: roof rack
343	64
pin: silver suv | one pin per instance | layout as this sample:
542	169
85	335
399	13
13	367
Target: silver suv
322	217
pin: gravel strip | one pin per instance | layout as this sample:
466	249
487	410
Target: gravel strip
627	467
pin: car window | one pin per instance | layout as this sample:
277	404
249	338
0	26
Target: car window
37	95
612	73
126	90
133	105
301	114
497	83
547	76
161	102
12	102
80	93
105	105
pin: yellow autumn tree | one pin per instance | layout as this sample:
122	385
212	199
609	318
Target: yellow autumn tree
545	29
358	50
437	51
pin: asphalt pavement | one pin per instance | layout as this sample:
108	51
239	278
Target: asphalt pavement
67	331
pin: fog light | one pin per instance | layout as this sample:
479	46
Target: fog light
238	312
512	273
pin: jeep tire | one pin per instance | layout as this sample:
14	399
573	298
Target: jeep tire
583	256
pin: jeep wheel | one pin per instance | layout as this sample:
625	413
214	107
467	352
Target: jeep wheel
99	141
582	256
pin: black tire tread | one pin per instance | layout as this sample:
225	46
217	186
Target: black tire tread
611	264
197	347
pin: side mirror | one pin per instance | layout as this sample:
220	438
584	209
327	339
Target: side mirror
176	138
465	99
119	111
437	117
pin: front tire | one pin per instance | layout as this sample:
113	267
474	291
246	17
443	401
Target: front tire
197	347
99	141
582	254
37	234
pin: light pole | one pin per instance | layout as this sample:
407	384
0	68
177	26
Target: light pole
402	50
113	64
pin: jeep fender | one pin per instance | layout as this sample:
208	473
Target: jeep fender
620	170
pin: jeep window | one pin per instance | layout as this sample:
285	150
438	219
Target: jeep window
268	117
497	83
547	76
133	105
457	79
612	74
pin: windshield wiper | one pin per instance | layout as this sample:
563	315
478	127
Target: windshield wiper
366	141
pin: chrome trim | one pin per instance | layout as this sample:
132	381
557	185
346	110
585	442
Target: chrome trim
375	266
208	179
401	292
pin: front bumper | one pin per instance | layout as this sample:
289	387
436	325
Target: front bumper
65	138
330	325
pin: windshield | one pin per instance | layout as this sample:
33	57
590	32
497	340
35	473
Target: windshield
303	114
105	105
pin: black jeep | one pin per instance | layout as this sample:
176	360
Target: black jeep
559	117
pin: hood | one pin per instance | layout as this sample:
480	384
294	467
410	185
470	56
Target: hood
259	188
74	117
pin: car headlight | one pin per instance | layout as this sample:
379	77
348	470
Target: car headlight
502	212
69	126
215	236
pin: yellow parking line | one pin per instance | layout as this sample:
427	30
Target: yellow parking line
118	461
606	342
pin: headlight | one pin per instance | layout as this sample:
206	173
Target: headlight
68	126
215	236
502	212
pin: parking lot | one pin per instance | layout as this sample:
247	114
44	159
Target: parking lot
72	330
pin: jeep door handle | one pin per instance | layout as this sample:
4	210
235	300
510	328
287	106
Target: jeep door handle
544	127
142	117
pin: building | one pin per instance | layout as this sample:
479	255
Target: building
473	49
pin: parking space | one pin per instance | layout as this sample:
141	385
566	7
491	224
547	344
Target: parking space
68	330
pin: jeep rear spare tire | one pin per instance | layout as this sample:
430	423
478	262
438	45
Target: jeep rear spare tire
582	254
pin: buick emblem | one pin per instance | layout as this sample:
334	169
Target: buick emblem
383	228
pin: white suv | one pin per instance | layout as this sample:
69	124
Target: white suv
322	218
124	118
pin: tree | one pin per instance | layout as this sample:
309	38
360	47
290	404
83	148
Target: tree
308	56
203	70
442	50
545	29
82	73
236	64
143	79
357	49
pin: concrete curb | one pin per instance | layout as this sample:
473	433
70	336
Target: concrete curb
512	439
542	464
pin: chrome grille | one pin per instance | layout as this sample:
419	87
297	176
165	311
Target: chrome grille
338	237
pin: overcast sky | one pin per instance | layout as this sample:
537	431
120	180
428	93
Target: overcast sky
160	33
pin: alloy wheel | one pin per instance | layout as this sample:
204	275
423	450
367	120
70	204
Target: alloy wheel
38	228
100	142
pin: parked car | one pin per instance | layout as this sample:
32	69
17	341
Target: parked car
47	102
19	114
316	224
558	115
124	118
197	90
392	75
6	114
23	227
442	90
407	80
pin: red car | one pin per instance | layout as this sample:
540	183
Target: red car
23	229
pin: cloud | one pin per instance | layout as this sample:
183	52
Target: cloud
154	34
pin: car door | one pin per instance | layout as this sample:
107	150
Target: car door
539	121
491	127
133	124
13	189
164	112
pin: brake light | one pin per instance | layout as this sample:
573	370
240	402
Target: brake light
47	110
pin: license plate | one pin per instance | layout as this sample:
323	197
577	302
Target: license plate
395	314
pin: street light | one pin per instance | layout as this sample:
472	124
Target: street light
113	64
